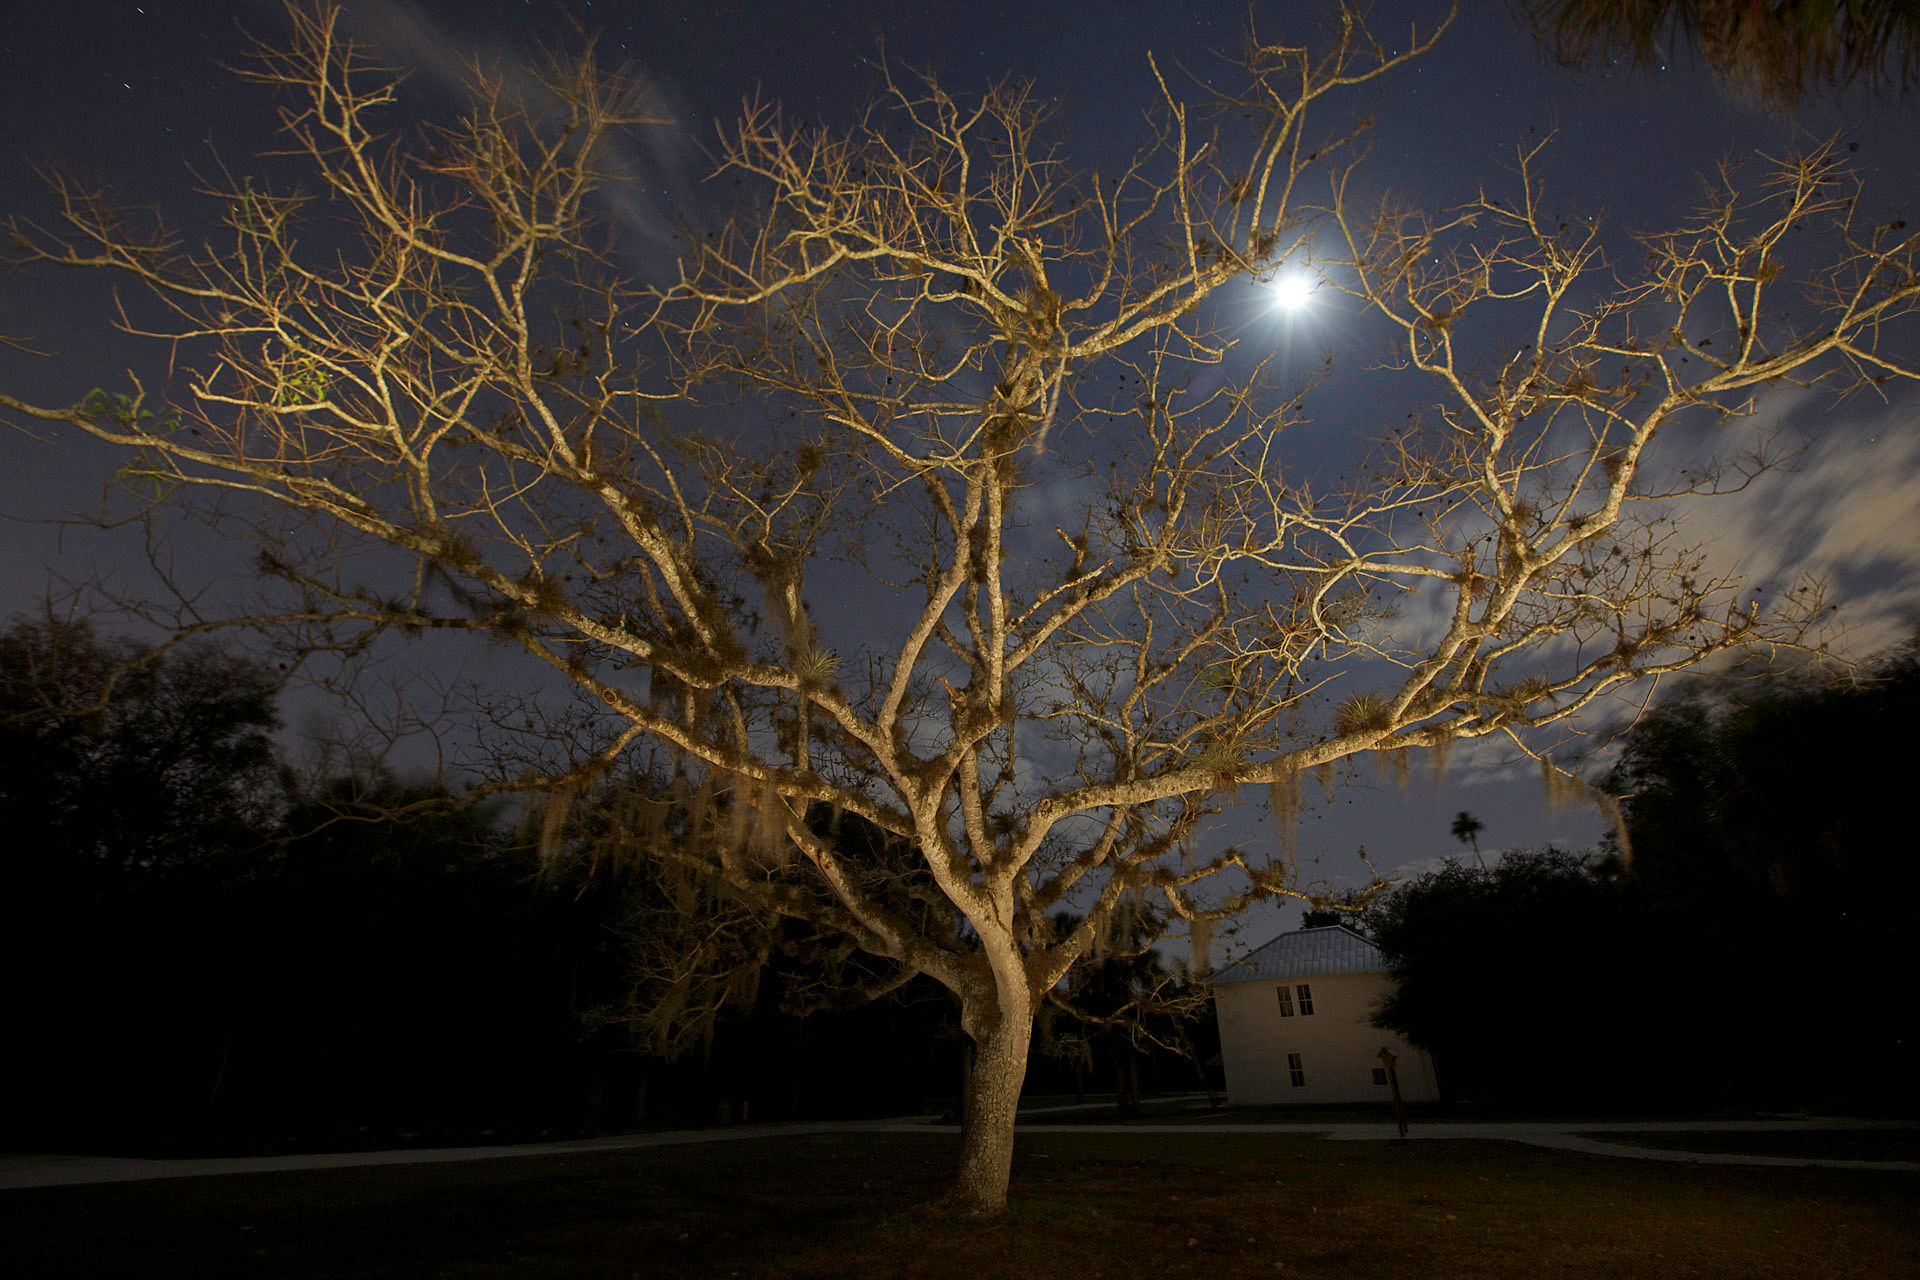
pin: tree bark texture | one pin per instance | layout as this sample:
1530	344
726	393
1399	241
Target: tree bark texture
992	1098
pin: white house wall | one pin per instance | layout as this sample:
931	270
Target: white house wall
1338	1049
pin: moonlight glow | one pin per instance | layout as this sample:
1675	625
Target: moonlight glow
1293	291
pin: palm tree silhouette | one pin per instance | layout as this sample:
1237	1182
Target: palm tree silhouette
1467	829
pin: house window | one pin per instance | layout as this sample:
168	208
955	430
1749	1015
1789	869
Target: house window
1286	1003
1306	1000
1296	1071
1379	1075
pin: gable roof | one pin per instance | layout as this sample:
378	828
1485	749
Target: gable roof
1306	953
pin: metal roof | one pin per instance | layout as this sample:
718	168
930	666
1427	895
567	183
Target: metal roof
1306	953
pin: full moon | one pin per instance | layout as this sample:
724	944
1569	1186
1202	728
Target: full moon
1293	291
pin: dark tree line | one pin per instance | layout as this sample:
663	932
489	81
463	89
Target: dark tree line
205	951
1750	951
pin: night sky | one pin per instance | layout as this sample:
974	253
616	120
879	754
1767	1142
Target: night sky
131	95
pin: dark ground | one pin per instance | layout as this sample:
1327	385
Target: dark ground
1085	1206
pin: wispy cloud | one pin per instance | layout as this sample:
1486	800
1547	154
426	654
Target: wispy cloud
1847	514
654	171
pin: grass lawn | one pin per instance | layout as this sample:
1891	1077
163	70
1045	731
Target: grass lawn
1195	1111
1086	1205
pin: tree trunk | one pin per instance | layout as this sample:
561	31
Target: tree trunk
992	1097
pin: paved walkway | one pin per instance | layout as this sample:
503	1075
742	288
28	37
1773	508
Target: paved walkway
1558	1135
20	1171
71	1171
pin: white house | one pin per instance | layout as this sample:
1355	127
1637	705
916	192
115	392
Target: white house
1294	1024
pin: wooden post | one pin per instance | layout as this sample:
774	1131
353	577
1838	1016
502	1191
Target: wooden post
1389	1059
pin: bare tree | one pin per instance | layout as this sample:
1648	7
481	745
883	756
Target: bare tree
927	492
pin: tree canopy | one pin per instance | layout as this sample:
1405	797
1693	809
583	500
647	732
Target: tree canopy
1770	881
1774	52
1784	793
127	757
